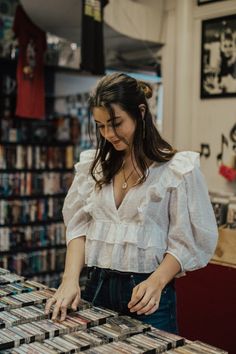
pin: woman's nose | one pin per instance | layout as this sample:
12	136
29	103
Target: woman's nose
109	132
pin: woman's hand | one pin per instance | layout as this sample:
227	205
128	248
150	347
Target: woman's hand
146	296
68	294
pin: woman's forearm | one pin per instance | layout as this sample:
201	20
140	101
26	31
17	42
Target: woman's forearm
166	271
74	259
68	293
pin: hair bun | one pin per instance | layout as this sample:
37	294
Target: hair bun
145	88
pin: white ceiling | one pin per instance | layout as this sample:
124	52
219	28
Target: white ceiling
63	18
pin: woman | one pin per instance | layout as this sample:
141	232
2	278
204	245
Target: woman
137	213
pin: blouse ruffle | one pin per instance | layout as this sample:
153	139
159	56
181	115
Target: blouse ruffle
74	211
170	213
170	178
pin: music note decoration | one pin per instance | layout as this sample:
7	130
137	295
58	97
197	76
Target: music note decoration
232	134
205	150
224	141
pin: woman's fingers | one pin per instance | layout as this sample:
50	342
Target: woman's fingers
61	304
56	309
65	296
155	307
63	309
143	303
75	303
49	304
137	294
149	307
145	299
146	305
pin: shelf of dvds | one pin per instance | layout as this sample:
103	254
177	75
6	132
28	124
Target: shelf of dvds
30	216
36	170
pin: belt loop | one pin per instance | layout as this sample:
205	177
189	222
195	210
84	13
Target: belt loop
90	272
100	282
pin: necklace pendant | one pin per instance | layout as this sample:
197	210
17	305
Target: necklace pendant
124	185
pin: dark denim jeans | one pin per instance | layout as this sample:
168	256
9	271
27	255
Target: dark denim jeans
113	290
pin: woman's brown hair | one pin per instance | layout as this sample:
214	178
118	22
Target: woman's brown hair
129	94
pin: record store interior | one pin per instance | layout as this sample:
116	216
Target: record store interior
54	56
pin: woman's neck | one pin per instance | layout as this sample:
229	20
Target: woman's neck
129	159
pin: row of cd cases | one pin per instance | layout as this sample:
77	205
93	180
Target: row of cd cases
25	328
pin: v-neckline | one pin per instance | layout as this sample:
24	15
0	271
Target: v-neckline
129	191
114	199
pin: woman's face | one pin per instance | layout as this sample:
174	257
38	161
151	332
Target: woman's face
227	48
122	136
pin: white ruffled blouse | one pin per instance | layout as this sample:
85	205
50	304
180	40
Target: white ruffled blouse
169	213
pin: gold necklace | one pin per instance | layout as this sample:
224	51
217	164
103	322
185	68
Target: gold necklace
125	183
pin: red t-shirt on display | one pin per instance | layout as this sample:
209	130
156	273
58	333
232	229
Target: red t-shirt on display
30	67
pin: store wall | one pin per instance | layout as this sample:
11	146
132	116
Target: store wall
188	120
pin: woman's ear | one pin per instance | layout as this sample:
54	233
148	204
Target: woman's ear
142	109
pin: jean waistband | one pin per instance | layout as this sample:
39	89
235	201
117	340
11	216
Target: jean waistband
106	273
113	272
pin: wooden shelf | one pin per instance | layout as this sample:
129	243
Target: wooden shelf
60	144
16	250
33	196
46	272
32	223
38	170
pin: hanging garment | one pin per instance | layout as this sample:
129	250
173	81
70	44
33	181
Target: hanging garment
30	67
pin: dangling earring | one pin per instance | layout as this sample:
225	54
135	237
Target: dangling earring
142	111
144	129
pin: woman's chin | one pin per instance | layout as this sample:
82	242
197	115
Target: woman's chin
119	146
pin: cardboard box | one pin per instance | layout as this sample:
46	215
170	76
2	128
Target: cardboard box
225	253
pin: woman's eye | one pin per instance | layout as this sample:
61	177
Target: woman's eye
115	125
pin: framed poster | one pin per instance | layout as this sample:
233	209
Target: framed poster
218	57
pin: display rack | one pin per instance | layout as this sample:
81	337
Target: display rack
36	170
32	233
26	328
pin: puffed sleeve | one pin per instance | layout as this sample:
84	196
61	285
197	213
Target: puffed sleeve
193	232
75	216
